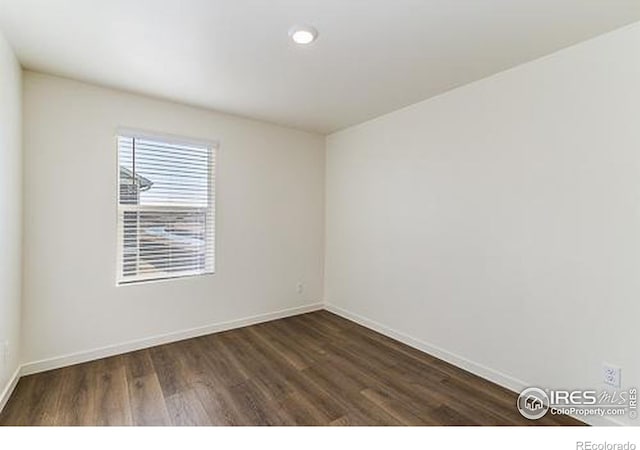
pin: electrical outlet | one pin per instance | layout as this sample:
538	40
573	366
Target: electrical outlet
299	287
611	375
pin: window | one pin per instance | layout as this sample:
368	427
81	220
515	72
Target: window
165	208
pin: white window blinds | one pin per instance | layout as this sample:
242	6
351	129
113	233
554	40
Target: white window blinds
165	209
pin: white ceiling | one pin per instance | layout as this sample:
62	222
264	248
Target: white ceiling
372	56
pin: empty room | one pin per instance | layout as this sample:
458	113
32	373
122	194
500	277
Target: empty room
356	213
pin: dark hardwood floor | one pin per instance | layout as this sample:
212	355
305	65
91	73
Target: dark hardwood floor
312	369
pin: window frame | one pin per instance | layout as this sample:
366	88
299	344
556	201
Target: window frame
212	147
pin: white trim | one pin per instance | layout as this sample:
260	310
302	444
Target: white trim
11	385
117	349
495	376
174	139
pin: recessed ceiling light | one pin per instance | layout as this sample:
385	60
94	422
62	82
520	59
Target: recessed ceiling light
303	34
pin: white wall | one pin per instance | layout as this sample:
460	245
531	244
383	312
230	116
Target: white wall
500	222
270	220
10	210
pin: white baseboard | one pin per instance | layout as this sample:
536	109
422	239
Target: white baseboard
495	376
117	349
8	389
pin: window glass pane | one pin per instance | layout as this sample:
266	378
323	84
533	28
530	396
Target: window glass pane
128	188
163	242
172	175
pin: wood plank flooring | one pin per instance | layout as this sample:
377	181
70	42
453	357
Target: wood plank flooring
311	369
